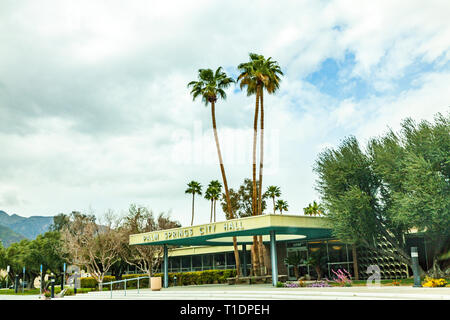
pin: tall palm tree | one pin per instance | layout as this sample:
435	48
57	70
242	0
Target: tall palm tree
210	86
282	206
194	188
273	192
216	191
208	196
257	74
213	193
248	80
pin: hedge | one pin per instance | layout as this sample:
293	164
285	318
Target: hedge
186	278
90	282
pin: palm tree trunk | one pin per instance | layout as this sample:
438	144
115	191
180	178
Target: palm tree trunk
214	210
211	216
225	185
192	219
261	157
255	251
261	153
273	199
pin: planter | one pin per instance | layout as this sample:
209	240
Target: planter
155	283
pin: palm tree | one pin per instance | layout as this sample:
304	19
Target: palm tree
210	86
213	193
208	196
282	205
272	192
313	209
257	74
194	188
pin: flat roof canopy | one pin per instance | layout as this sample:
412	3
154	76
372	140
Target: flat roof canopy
286	227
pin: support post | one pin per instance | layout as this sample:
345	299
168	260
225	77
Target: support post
273	257
244	260
166	267
415	267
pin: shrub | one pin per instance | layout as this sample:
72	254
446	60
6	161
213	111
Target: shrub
188	278
90	282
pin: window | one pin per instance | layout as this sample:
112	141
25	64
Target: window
207	262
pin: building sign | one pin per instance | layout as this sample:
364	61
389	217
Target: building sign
188	232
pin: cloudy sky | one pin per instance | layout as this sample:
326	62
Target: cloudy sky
95	113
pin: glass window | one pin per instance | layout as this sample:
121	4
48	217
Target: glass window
197	263
230	259
219	261
186	263
207	261
174	264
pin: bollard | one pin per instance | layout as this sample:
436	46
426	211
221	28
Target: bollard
52	282
16	284
415	267
174	281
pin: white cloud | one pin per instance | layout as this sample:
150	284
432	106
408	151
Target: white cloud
95	110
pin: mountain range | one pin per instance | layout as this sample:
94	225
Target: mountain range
14	228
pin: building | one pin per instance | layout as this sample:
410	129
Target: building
209	246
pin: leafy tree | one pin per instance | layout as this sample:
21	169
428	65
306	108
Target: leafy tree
210	86
400	183
59	222
241	200
194	188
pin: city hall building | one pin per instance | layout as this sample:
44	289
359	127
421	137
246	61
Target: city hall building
210	246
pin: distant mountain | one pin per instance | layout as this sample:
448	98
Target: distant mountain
7	236
29	227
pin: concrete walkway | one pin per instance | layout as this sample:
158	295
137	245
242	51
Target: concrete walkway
258	292
267	292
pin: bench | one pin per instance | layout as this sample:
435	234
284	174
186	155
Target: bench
255	279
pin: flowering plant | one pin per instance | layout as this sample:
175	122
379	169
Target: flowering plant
430	282
47	294
343	277
321	284
396	283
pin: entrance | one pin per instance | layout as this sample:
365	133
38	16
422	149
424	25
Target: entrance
296	255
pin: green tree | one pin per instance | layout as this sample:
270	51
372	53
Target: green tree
194	188
213	193
273	192
281	205
313	209
401	183
59	222
241	200
210	86
255	75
